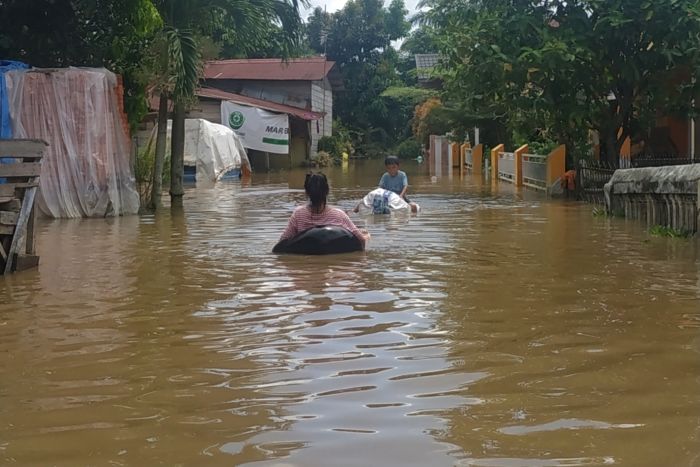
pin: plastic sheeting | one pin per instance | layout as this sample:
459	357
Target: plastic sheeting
211	148
5	125
86	171
381	201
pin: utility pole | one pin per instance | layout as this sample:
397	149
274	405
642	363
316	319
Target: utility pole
324	40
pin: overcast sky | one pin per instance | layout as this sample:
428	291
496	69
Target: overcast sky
335	5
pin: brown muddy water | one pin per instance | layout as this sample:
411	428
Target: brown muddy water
494	328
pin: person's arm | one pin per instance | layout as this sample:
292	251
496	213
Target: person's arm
292	227
405	186
361	234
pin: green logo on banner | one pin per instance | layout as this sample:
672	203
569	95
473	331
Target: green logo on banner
236	120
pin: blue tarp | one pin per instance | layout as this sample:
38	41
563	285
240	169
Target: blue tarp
5	124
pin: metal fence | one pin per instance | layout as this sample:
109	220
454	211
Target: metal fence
535	171
506	166
593	175
660	160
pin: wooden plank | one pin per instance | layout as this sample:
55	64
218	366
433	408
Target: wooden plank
3	255
31	239
24	148
21	169
24	262
6	199
7	229
6	190
21	230
10	204
8	218
13	186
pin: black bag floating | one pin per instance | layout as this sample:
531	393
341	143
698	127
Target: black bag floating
322	240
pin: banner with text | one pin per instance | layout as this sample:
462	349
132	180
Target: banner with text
257	128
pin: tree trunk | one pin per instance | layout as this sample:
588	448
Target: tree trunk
161	140
177	152
612	151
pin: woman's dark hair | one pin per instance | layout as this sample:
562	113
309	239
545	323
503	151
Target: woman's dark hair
316	187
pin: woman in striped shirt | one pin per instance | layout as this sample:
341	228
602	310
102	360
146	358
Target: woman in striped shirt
318	213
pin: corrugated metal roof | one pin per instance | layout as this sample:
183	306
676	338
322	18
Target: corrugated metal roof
212	93
294	69
425	64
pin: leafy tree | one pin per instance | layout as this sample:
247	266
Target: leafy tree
244	23
95	33
358	38
554	69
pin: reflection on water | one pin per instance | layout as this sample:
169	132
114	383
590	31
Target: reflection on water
495	328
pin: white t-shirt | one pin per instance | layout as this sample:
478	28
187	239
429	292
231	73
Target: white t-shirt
381	201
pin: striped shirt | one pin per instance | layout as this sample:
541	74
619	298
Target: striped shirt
303	219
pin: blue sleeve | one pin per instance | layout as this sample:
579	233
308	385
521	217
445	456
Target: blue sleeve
382	181
405	180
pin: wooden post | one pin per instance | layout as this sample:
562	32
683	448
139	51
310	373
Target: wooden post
17	247
518	164
477	159
21	229
31	238
494	160
556	165
463	158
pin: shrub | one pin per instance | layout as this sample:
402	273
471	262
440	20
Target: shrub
409	149
323	159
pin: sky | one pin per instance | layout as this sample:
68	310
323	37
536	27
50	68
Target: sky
335	5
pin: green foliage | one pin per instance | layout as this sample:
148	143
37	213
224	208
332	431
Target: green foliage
662	231
420	41
600	212
143	173
409	149
408	95
534	66
94	33
339	143
358	38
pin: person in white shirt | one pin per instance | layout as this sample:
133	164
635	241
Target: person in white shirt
381	201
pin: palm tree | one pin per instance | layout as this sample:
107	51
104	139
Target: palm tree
245	23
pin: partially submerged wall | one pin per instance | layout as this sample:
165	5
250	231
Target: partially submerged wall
666	196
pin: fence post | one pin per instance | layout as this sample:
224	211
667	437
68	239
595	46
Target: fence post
556	165
455	154
462	158
518	163
477	159
494	160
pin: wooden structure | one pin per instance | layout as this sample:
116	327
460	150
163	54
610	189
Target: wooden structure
19	182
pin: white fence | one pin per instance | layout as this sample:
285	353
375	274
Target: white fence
506	166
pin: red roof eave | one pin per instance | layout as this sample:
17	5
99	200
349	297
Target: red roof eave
295	69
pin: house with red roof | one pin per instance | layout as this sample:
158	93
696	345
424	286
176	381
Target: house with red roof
241	90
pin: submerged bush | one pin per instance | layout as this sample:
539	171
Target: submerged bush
663	231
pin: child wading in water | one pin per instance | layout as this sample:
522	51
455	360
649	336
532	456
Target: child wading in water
394	179
318	213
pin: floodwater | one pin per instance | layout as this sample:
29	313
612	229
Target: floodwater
494	328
